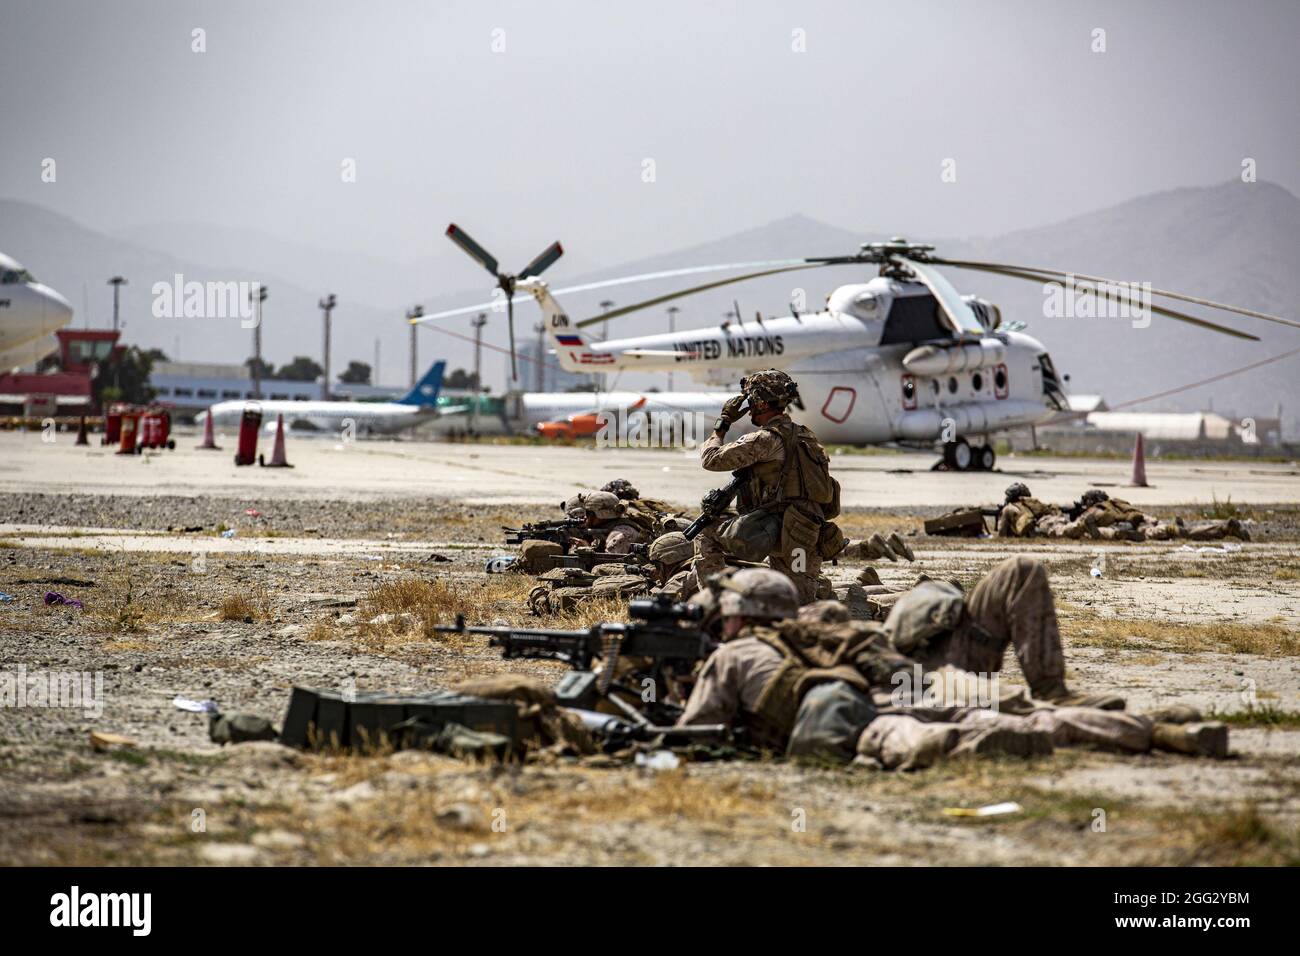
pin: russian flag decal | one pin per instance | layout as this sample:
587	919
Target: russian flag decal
569	340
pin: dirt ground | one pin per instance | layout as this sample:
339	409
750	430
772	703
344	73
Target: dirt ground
288	600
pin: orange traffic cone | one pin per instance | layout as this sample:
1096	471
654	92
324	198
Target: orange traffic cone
1139	464
81	433
209	437
277	452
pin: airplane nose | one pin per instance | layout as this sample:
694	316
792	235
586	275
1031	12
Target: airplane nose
57	308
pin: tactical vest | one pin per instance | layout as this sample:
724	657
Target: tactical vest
811	654
801	474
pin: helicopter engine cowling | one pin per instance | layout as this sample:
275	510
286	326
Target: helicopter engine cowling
947	359
971	418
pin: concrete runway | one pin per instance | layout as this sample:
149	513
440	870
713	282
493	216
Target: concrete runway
507	474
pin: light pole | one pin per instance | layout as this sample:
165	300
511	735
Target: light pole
539	371
605	306
327	306
477	322
414	313
672	327
257	299
116	282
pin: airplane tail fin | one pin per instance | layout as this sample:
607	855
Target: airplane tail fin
427	388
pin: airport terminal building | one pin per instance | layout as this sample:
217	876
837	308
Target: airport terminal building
192	386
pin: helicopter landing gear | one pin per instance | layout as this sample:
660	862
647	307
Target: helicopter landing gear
960	456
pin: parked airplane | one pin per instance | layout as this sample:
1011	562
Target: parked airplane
418	405
30	314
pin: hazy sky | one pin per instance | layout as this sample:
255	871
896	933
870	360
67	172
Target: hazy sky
550	136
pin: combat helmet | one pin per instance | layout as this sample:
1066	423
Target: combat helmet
771	386
758	593
1016	491
621	488
671	548
603	505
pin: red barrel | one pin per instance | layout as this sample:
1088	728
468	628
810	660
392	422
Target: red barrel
150	429
130	421
249	425
113	424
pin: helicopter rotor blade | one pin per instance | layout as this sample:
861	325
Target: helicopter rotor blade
959	313
657	300
1182	297
630	280
1112	294
545	259
474	250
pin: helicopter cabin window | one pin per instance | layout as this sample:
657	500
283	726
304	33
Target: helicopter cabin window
977	382
914	318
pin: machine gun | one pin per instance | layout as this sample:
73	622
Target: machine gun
560	532
663	634
716	503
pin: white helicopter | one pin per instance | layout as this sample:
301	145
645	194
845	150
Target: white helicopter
902	357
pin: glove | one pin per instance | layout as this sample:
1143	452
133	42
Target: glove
731	410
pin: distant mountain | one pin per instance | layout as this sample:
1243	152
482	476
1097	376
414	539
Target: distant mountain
1233	242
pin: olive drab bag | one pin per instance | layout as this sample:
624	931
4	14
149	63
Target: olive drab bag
806	474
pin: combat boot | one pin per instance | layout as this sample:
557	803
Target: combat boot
1062	697
900	547
1196	740
875	548
869	577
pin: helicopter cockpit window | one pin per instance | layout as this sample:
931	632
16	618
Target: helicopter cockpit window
15	277
914	318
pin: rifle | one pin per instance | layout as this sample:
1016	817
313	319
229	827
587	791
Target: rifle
618	732
716	503
661	630
557	531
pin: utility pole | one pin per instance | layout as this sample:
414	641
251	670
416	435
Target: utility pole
414	313
116	282
327	306
539	370
257	300
477	322
672	327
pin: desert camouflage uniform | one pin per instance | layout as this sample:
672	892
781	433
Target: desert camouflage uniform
714	544
562	590
1011	606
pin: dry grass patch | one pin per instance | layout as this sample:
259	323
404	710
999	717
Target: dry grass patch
412	606
124	605
1087	628
254	605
